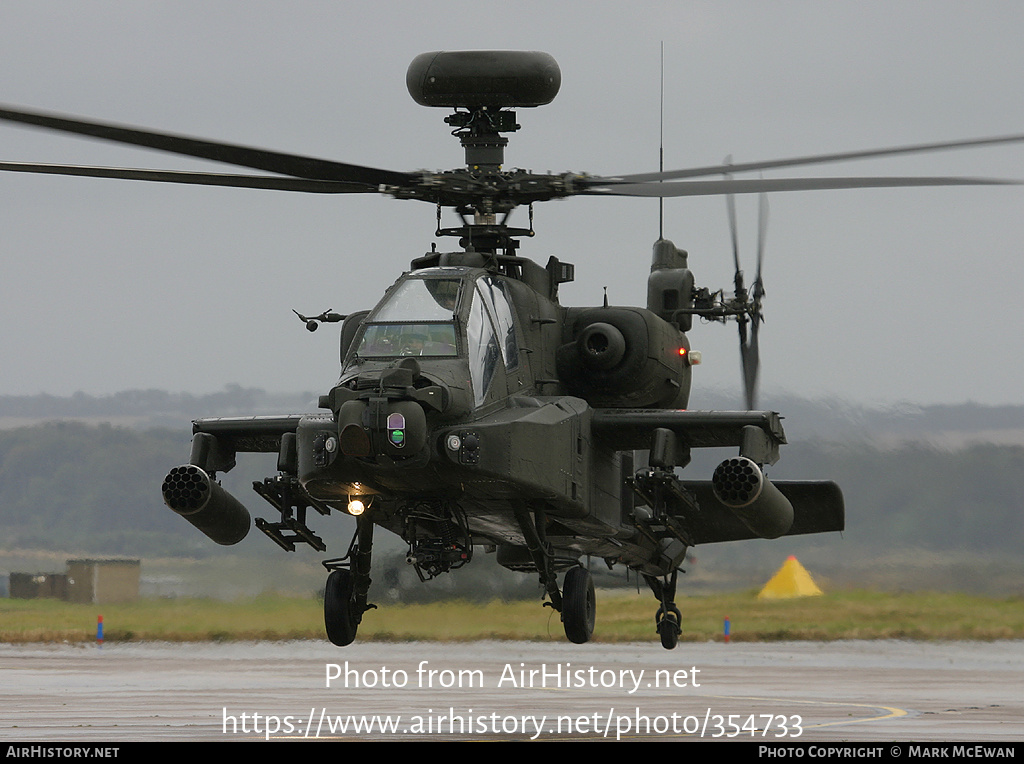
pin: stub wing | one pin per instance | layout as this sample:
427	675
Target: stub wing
216	440
768	509
818	507
192	491
632	429
250	433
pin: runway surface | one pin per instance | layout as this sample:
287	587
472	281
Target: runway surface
839	691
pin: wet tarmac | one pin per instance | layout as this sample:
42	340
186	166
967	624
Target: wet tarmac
839	691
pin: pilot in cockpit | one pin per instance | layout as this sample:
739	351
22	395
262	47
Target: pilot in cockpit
412	342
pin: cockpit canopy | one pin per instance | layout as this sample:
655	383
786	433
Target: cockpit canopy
446	313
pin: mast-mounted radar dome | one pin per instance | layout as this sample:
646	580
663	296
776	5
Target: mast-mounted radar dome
472	79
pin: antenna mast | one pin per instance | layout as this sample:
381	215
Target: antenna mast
661	145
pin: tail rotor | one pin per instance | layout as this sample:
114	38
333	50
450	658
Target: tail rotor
747	304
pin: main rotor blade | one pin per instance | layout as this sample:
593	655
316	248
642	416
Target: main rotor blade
761	185
697	172
273	182
242	156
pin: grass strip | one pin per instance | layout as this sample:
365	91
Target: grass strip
621	618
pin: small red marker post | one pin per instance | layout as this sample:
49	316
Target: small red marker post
725	627
99	630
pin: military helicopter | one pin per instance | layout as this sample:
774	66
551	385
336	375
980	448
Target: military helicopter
473	410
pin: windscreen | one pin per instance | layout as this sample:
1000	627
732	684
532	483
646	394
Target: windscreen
416	319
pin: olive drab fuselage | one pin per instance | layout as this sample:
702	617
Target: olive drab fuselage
469	386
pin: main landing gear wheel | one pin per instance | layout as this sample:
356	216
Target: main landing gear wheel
340	617
579	605
668	621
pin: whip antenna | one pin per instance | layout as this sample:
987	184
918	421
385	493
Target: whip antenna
661	145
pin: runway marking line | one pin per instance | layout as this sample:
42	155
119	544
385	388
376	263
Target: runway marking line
892	712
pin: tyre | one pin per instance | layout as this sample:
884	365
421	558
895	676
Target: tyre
579	606
339	617
668	626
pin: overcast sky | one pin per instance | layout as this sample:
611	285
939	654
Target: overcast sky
875	296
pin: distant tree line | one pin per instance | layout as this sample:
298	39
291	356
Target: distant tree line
970	499
67	485
154	404
805	418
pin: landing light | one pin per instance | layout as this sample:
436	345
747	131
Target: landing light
356	507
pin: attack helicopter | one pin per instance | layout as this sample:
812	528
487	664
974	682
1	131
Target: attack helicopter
475	412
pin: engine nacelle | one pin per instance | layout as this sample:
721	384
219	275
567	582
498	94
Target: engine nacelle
624	358
191	493
741	486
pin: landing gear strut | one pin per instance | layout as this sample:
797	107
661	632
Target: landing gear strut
347	586
576	601
668	617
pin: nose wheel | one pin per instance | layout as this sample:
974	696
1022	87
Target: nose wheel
668	618
579	605
347	585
